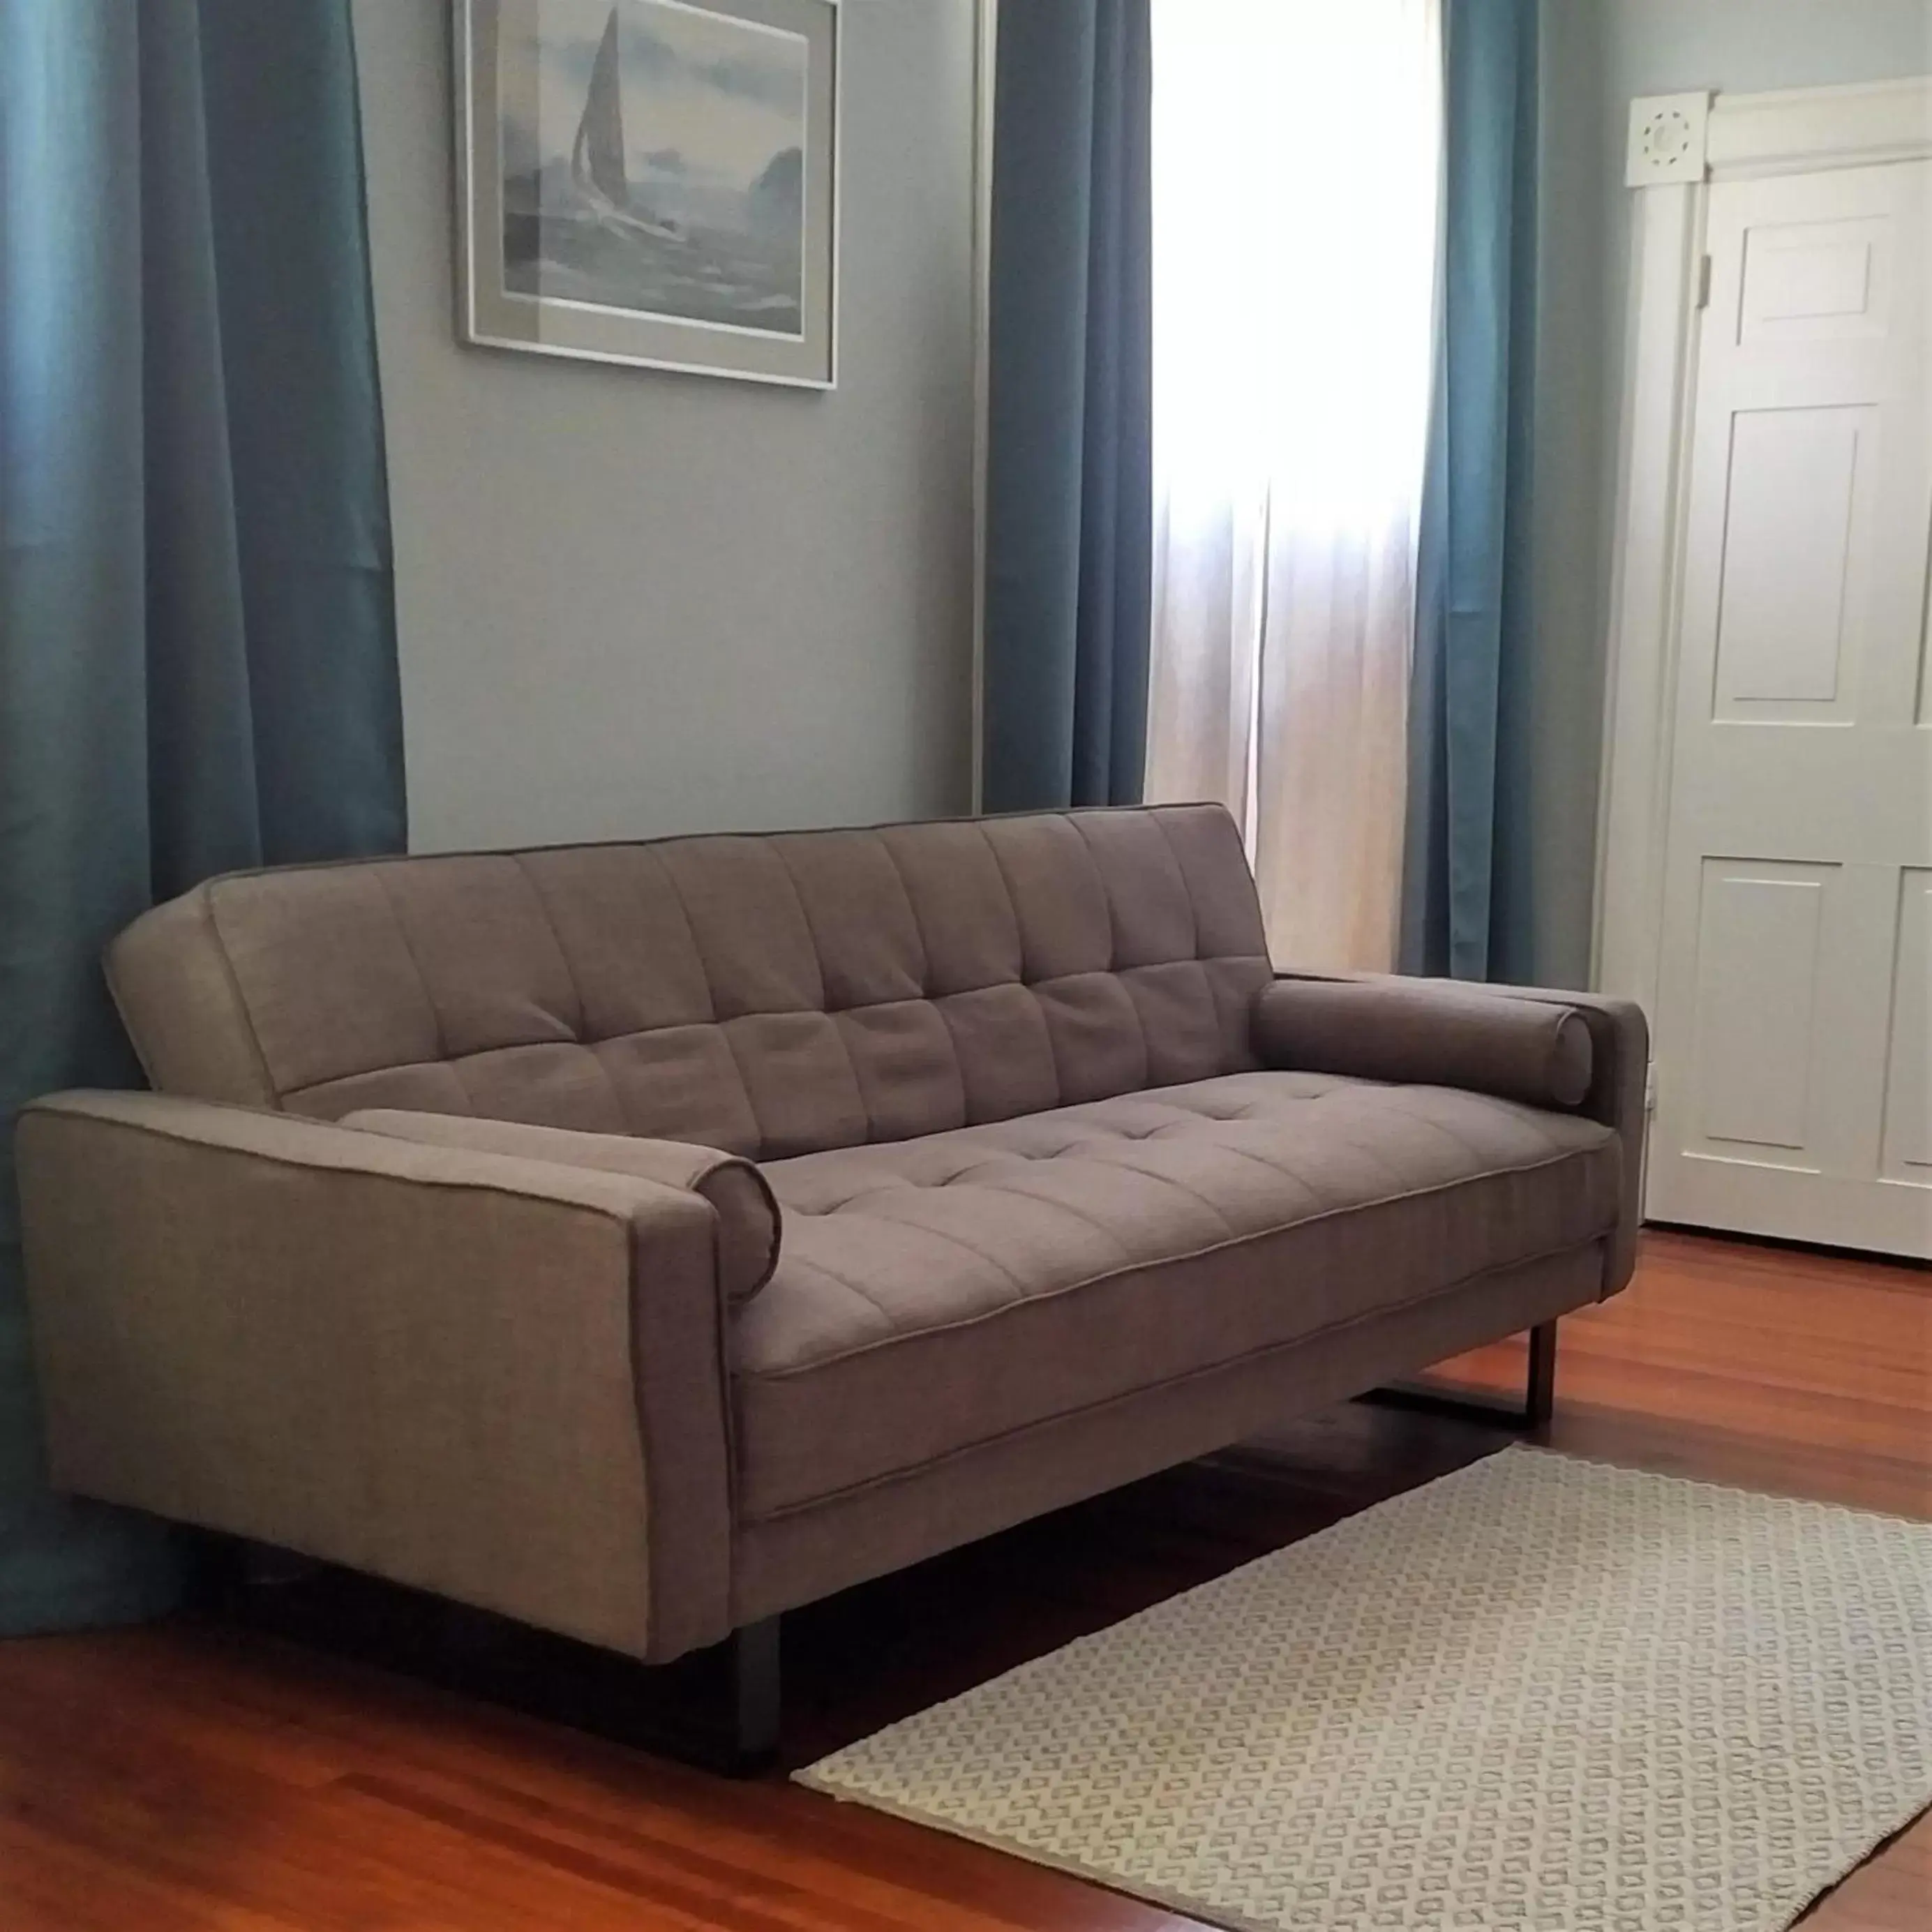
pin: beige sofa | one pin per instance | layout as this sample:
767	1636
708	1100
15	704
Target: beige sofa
639	1240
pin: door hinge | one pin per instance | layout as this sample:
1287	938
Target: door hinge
1704	281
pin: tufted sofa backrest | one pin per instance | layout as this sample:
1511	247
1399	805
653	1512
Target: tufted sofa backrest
772	995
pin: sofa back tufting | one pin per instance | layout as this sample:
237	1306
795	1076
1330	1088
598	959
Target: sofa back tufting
772	995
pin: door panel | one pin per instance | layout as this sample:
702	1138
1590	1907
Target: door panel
1924	710
1908	1112
1797	524
1816	281
1794	1026
1759	942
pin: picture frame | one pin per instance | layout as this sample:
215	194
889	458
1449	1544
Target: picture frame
652	182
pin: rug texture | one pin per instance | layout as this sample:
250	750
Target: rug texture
1540	1695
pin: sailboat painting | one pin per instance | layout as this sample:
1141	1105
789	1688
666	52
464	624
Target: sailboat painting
651	180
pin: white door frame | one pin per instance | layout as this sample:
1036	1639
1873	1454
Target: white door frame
1795	131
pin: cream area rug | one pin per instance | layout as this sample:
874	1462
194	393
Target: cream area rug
1539	1695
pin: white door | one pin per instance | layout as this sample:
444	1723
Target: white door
1794	1021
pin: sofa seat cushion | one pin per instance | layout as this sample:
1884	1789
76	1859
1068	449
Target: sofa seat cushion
933	1294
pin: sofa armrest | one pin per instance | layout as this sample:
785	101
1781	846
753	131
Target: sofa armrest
1461	1015
1427	1032
494	1377
748	1220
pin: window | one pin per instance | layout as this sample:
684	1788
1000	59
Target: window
1296	163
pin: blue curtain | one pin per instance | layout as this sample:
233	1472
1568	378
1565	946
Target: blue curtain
197	647
1070	485
1472	588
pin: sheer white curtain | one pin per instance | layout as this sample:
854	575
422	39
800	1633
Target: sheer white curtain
1296	159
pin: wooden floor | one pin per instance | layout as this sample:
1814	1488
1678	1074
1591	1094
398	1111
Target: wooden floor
190	1777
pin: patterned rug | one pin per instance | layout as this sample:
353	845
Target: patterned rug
1539	1695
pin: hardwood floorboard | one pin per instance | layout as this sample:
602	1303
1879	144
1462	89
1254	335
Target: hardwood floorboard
192	1777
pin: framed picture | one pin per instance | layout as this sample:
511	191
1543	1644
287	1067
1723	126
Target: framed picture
652	181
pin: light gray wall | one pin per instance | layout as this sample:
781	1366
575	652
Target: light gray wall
1669	46
1599	54
634	603
1544	873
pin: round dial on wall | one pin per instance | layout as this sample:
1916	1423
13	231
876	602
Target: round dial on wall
1666	137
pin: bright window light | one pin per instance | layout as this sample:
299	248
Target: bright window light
1296	146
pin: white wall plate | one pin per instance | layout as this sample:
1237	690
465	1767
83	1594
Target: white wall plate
1667	138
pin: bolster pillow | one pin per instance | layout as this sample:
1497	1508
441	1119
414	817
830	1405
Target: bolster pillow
740	1196
1428	1033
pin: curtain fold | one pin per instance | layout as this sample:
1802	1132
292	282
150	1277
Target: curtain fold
197	647
1063	677
1295	191
1473	589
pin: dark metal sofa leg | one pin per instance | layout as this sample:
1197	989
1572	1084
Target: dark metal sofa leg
756	1703
1540	1402
717	1708
1538	1406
